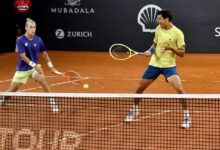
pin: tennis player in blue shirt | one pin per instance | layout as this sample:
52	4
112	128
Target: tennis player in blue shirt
29	47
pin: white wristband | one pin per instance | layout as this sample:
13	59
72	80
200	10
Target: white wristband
50	65
32	64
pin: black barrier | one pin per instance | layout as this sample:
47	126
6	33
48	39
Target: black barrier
7	26
96	24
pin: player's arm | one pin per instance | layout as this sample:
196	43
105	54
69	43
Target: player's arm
31	63
151	50
178	51
181	46
46	56
49	63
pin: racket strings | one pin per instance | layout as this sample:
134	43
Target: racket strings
73	77
120	52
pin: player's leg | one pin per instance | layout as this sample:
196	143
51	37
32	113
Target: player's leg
134	111
174	79
143	84
14	87
148	78
40	78
20	78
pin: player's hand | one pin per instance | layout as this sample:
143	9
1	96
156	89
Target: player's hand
148	53
54	70
39	69
166	47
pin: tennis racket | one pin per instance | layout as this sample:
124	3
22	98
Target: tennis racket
122	52
70	75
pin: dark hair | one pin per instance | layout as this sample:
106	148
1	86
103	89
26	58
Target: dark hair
165	14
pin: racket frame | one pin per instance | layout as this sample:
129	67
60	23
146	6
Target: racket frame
64	75
131	51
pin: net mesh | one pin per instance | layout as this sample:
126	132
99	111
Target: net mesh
39	121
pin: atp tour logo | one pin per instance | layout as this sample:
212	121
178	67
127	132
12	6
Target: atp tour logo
71	8
36	139
61	34
72	3
147	17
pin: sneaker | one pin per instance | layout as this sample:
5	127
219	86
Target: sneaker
53	105
186	123
132	114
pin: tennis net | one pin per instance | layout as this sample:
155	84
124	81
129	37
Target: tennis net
65	121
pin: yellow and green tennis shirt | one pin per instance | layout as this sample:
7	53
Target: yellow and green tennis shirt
175	38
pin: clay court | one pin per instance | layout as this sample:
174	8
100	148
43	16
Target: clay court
98	123
199	73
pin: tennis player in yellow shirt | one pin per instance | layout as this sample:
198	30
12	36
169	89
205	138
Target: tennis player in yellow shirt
168	43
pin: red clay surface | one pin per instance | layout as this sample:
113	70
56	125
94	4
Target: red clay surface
97	124
199	72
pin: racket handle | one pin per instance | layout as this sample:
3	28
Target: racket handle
141	53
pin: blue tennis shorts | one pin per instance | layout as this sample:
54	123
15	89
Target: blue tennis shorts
153	72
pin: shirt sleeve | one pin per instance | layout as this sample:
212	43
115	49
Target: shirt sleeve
20	46
42	46
180	39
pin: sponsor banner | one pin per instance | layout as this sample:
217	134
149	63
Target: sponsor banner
217	32
71	7
96	24
61	34
147	17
